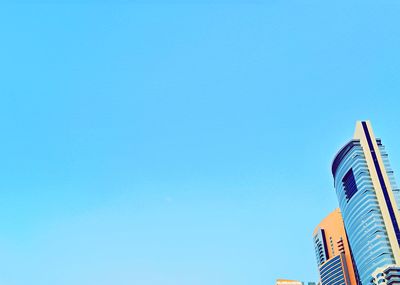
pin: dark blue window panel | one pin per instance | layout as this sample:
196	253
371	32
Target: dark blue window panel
325	245
349	184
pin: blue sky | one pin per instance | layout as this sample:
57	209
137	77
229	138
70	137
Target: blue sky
185	142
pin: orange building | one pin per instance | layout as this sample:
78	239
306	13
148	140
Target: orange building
333	252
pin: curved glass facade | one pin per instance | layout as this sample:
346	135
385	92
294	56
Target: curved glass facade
361	212
332	272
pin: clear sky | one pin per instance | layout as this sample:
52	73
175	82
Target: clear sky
182	143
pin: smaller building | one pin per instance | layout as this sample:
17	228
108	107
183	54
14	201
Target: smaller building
333	252
388	275
292	282
288	282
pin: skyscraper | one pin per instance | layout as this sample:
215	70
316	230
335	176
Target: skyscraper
368	198
333	253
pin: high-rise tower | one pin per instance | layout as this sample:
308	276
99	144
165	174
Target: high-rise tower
368	199
333	253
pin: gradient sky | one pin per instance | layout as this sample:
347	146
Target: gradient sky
149	143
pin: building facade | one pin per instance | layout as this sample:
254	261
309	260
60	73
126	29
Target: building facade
333	252
292	282
368	199
389	275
